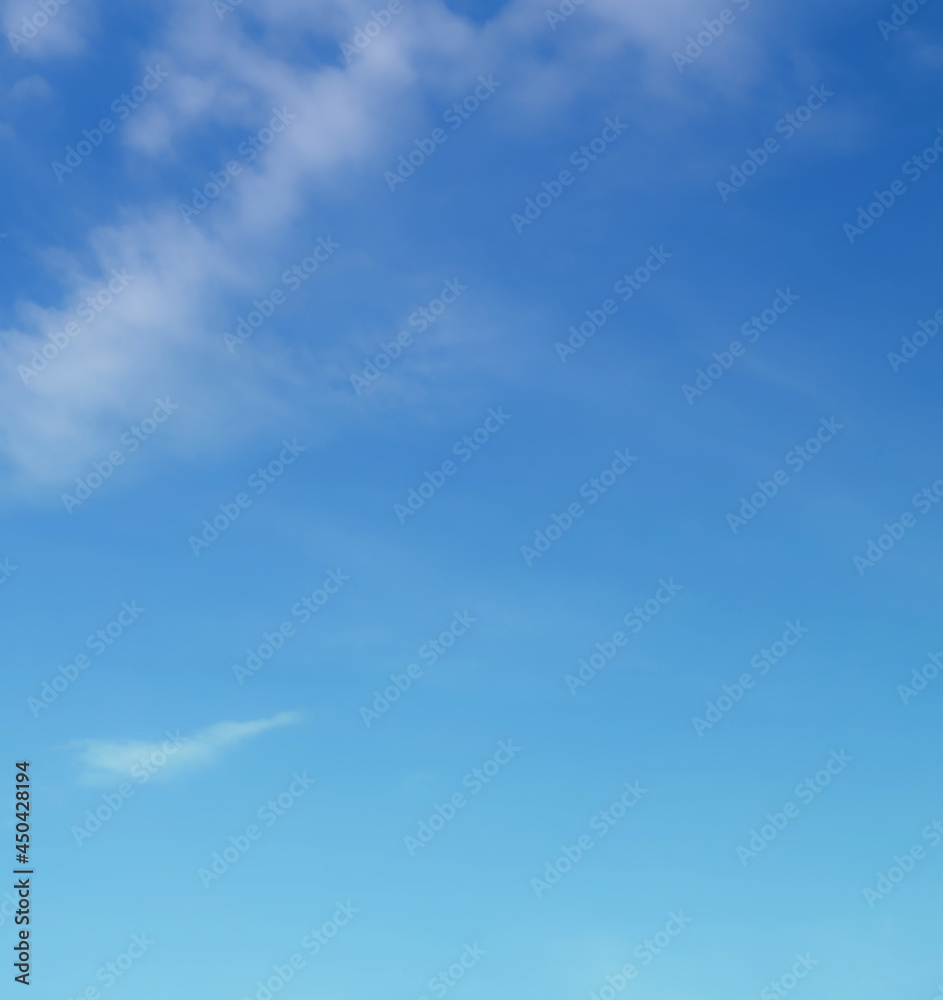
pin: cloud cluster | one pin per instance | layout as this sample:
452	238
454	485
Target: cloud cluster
162	336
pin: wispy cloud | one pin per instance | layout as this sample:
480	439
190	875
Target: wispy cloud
162	335
105	761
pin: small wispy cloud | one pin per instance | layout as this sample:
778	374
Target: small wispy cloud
106	761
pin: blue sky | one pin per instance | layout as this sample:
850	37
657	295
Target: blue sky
472	498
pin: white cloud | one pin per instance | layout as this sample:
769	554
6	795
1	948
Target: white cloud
162	335
107	761
31	87
39	28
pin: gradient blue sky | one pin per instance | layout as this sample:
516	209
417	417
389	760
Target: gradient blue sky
179	284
